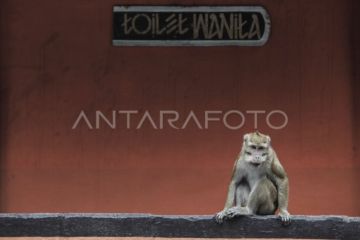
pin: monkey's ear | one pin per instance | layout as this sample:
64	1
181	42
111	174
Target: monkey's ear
246	137
268	139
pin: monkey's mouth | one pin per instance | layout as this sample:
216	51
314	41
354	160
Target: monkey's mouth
255	164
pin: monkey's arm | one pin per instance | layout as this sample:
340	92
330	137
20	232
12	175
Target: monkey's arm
282	182
230	199
235	179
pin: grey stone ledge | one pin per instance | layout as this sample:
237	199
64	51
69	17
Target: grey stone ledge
194	226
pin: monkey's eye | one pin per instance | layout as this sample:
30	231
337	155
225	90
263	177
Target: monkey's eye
261	148
253	147
248	153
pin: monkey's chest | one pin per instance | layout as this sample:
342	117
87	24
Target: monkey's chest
253	178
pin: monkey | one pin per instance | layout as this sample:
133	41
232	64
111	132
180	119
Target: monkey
259	183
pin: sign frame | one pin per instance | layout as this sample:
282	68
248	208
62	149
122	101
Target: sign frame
205	9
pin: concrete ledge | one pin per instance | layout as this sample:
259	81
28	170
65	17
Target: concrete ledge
144	225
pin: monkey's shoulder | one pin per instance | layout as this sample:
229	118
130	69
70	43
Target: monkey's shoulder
275	168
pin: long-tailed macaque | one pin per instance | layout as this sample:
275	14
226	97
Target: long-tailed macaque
259	183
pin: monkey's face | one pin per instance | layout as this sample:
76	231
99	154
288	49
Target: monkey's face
256	148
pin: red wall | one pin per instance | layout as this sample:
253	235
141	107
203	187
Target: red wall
57	59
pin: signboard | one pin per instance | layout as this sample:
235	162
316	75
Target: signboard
190	26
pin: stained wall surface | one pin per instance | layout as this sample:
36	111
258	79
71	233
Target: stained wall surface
57	60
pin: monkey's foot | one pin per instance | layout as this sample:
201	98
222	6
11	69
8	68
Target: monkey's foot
231	213
285	217
237	211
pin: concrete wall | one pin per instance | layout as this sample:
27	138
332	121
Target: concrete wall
57	59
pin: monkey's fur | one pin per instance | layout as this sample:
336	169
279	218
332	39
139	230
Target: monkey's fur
259	183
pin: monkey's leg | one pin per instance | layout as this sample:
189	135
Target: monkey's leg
242	196
263	198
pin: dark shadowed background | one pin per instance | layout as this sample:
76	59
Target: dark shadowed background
57	59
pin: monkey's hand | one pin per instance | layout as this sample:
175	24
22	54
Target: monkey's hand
220	216
285	216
